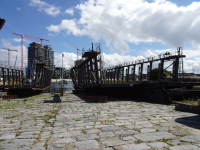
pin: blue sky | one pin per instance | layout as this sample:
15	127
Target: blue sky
127	30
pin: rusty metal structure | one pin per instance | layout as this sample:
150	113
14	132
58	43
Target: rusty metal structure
89	75
14	82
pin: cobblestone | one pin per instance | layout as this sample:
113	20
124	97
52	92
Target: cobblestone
74	124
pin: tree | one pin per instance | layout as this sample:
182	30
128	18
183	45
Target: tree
154	74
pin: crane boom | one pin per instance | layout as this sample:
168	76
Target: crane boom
34	37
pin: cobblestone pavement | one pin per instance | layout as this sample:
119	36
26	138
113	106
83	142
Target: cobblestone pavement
73	124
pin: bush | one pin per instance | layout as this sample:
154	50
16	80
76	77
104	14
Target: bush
154	74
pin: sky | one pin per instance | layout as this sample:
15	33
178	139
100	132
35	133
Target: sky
127	30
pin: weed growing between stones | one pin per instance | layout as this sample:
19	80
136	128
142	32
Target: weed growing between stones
139	141
84	132
166	141
2	140
169	129
17	134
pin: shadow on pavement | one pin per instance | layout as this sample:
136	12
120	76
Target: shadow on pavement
191	121
55	99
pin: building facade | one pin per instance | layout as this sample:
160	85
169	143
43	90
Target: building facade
36	51
57	73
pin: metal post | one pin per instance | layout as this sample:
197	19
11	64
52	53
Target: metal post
19	78
150	70
122	74
96	70
42	78
12	76
114	75
118	74
3	77
88	73
62	77
128	74
16	78
8	72
0	74
161	69
22	78
141	70
133	73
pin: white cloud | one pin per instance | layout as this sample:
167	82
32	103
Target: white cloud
19	40
121	22
18	8
110	59
68	25
47	8
4	60
50	34
70	11
68	60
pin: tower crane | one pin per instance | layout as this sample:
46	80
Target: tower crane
30	36
27	36
77	50
8	54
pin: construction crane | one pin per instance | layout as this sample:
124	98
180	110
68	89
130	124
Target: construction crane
27	36
77	50
34	37
8	54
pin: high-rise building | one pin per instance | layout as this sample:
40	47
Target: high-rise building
36	51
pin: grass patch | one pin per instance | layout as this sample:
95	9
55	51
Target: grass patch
84	132
78	120
189	100
2	140
139	141
166	141
17	134
182	135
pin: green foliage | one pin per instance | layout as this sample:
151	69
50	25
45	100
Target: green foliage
189	100
84	132
17	134
2	140
139	141
154	74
